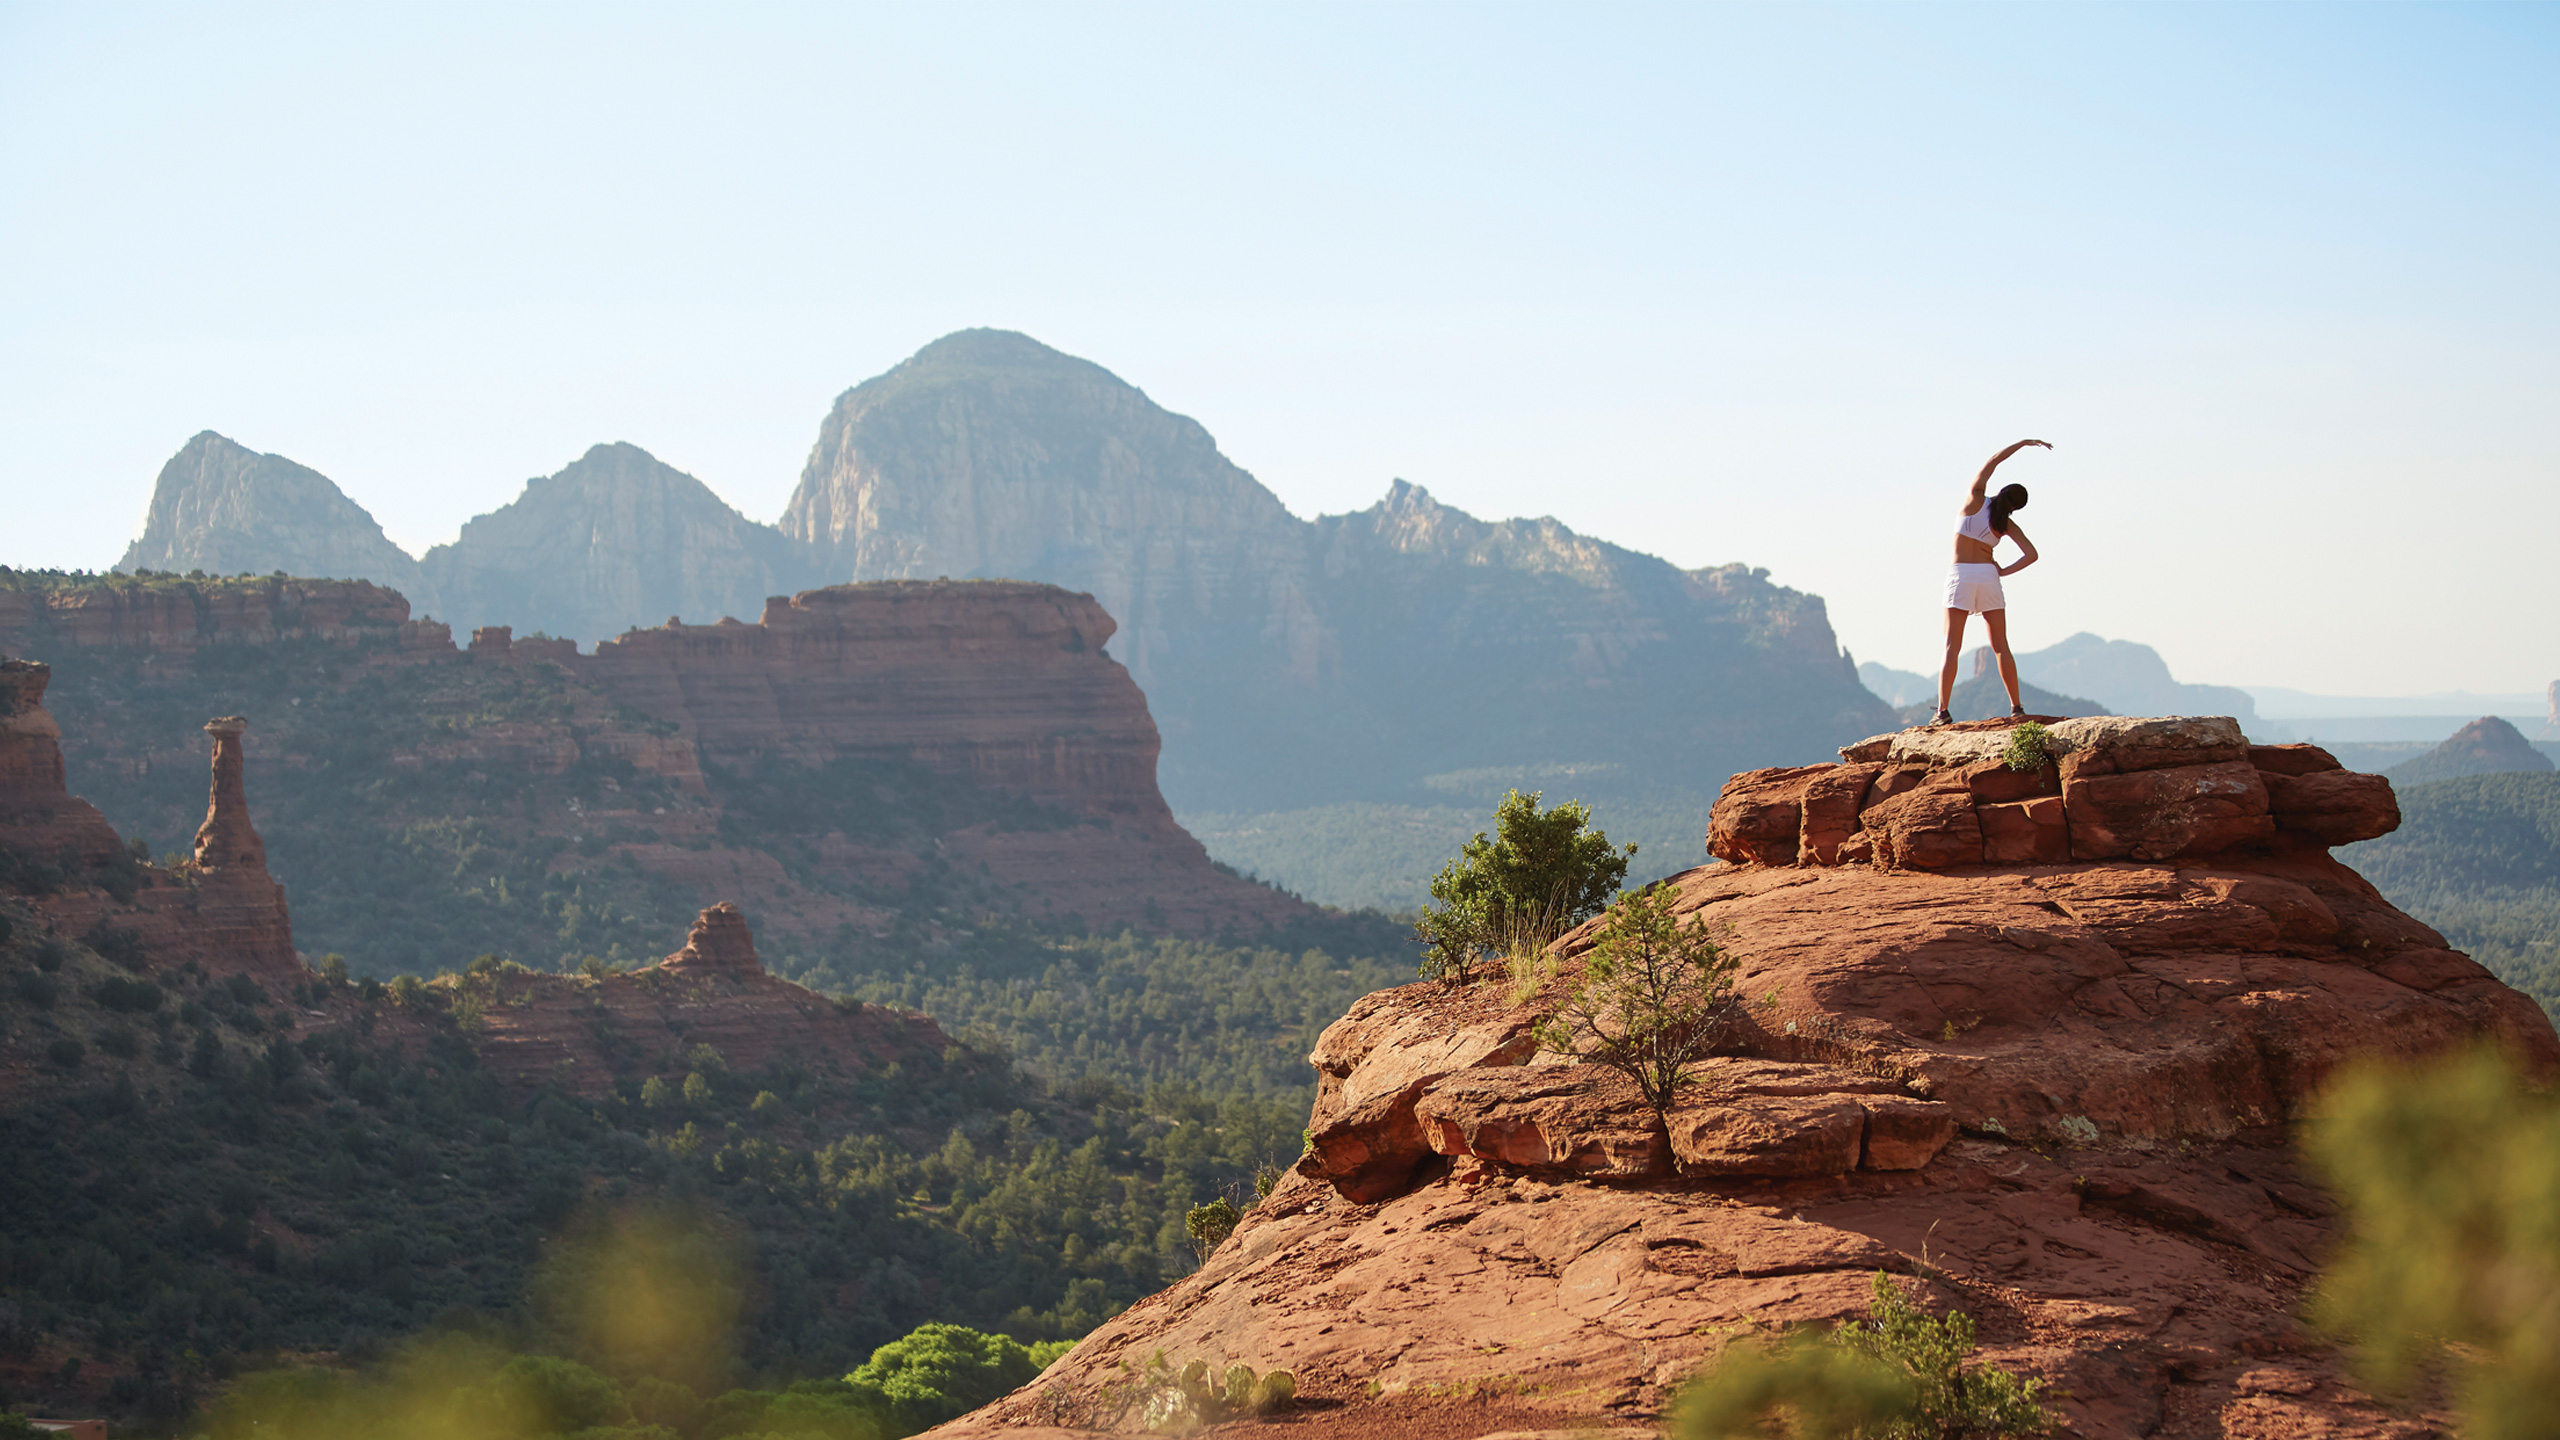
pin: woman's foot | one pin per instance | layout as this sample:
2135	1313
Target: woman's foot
1942	718
2017	712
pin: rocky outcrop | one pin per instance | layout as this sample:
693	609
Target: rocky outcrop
2486	746
2110	787
616	539
226	510
583	1034
2054	1092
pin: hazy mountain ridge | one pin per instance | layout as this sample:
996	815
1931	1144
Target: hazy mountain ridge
615	540
2123	676
1290	663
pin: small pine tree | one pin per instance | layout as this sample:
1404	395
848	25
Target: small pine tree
1654	997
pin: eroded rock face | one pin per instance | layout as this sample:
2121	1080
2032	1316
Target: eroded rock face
2060	1091
2124	787
1002	684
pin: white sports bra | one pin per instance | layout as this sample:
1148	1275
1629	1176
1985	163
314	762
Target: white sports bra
1977	526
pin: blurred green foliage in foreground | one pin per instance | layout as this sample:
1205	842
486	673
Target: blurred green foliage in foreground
2449	1176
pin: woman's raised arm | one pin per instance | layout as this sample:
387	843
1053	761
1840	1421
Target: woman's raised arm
1982	481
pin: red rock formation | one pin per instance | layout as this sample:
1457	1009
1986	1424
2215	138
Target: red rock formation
998	685
720	943
2061	1087
224	911
237	908
39	818
1001	683
2124	787
583	1033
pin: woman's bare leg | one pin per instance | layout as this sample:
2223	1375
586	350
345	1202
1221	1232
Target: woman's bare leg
1955	648
1997	622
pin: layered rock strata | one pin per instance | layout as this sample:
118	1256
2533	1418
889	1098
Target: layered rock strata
1001	684
2056	1092
1000	692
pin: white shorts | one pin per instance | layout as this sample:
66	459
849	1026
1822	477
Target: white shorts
1974	589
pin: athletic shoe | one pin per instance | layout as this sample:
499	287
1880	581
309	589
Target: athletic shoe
1941	718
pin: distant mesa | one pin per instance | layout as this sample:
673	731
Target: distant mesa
2486	746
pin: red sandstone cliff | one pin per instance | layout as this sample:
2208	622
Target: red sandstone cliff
2038	1035
1001	683
995	685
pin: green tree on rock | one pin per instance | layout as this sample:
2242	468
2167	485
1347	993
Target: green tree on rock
1654	997
1539	874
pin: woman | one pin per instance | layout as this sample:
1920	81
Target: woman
1973	588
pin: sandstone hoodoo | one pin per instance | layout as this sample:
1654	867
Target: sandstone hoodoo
2035	1037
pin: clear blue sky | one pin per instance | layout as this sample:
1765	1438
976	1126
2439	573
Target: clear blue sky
1729	283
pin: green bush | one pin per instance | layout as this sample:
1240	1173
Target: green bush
2030	747
130	997
941	1372
1897	1375
1513	892
1209	1226
1654	997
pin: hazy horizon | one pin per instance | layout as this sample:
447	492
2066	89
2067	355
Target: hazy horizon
1733	284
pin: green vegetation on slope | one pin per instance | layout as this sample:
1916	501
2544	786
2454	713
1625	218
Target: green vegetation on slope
195	1178
2478	858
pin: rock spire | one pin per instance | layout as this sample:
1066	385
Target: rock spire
226	839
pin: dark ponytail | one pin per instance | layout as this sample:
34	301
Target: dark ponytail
2010	500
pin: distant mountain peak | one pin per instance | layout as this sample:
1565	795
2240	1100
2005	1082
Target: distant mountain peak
224	508
2486	746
